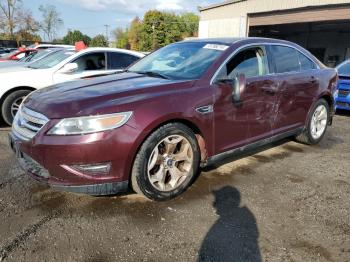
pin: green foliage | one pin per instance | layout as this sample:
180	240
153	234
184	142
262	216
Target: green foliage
121	37
134	34
157	30
99	41
75	36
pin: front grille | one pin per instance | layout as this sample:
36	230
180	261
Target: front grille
343	104
343	92
27	123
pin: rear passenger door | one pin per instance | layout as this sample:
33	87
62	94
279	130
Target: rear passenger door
120	61
298	81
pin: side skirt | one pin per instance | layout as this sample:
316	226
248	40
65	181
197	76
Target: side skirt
241	150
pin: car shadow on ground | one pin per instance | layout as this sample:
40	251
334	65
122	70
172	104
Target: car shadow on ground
234	236
343	112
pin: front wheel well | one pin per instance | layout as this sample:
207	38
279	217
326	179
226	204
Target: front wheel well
198	133
329	100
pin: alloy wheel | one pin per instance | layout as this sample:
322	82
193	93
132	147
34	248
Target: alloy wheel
170	163
319	122
15	106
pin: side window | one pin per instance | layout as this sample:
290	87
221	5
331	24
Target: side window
92	61
286	59
120	60
306	63
251	62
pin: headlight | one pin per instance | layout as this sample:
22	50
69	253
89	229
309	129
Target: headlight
89	124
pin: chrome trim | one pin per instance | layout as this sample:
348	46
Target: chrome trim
205	109
28	123
263	44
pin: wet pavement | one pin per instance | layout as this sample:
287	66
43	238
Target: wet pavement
285	202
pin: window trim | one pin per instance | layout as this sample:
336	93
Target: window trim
266	45
263	48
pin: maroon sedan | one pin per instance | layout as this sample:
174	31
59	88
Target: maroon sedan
186	105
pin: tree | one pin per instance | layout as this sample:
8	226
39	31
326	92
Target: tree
99	41
75	36
27	28
121	37
51	21
9	10
190	23
135	33
157	29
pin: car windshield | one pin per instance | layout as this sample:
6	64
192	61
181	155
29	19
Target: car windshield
344	69
52	59
34	56
180	61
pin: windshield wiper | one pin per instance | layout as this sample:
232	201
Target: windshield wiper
151	74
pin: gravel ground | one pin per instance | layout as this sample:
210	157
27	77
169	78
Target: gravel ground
285	202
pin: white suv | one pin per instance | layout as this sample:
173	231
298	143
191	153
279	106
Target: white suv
64	65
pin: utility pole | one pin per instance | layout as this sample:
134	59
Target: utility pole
107	32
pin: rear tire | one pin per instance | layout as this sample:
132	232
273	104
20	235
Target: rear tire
11	104
166	163
317	124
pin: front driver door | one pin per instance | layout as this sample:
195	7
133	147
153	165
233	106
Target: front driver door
89	65
240	124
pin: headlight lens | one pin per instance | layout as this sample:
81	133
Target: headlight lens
89	124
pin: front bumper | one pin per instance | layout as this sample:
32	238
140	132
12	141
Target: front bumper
46	158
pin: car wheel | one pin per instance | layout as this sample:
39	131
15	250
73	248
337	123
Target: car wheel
316	125
166	163
11	105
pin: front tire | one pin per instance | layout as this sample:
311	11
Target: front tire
11	105
317	123
166	163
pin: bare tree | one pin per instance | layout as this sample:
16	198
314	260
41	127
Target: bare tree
9	9
51	21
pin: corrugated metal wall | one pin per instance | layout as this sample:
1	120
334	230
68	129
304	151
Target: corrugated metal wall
256	6
231	19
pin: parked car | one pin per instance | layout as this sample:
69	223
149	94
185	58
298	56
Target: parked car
64	65
17	54
35	56
188	104
46	46
4	50
342	96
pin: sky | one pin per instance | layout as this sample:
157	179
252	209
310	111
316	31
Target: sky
90	16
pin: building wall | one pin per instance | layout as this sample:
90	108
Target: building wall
232	19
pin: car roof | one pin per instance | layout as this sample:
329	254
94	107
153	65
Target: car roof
233	40
89	49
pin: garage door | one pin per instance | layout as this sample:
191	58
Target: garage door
309	14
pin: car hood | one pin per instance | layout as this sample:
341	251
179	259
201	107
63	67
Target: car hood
100	95
13	69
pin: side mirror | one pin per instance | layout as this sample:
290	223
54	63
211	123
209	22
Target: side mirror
239	85
69	68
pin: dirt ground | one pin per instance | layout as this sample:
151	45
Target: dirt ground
286	202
